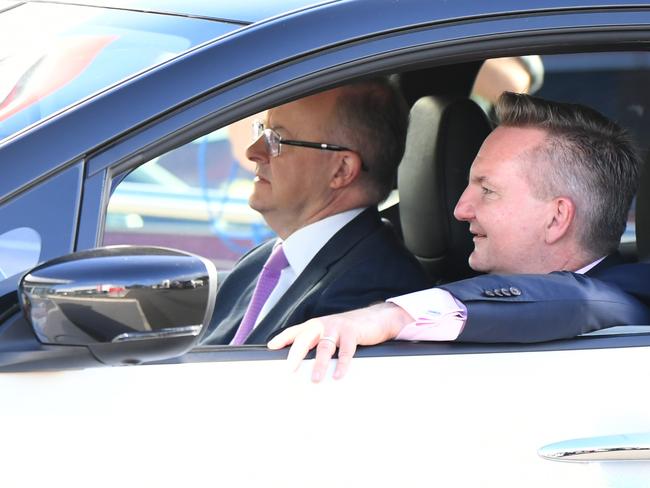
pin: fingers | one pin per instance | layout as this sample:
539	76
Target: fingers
324	352
284	338
347	348
303	341
325	334
303	338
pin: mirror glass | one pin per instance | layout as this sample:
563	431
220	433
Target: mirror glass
119	294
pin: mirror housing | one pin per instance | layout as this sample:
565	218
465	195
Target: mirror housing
127	304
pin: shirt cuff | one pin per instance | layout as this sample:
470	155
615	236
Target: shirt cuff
437	315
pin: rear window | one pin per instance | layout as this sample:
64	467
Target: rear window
20	249
53	55
614	84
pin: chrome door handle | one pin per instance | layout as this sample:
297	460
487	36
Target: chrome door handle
627	447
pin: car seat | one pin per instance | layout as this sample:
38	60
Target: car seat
445	133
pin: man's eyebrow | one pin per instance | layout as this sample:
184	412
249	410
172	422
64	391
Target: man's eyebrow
478	179
277	128
484	180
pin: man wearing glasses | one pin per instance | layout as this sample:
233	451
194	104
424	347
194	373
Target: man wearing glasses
323	163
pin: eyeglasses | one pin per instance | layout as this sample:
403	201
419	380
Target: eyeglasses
274	142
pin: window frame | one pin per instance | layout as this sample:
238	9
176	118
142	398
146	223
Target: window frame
382	54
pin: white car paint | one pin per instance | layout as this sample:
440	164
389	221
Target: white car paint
445	420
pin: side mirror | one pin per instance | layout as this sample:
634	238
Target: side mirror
127	304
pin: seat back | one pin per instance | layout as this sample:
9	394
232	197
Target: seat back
444	135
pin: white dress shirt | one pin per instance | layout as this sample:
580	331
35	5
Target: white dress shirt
437	314
301	247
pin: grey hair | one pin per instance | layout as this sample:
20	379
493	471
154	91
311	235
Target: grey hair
585	157
372	118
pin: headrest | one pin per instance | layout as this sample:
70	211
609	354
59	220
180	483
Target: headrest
444	135
449	80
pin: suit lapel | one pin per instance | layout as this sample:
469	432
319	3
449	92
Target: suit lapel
232	300
337	247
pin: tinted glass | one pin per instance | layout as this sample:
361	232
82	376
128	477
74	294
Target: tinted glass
39	224
52	56
248	11
20	249
612	83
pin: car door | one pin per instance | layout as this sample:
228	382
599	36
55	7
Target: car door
406	414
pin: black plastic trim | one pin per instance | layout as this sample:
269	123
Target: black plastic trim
21	351
402	348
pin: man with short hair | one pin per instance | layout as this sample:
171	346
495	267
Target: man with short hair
323	163
548	192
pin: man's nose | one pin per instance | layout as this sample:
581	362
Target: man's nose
464	209
258	152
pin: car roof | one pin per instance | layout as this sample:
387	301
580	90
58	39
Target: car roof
245	12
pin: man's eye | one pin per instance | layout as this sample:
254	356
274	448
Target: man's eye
486	191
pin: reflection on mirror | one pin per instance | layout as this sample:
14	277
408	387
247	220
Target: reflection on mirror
20	249
119	294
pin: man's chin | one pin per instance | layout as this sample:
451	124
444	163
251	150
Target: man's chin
260	198
476	263
257	204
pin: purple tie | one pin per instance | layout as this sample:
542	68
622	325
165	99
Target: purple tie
268	279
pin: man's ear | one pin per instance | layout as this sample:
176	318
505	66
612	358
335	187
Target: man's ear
562	213
347	169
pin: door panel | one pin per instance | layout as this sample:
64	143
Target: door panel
457	420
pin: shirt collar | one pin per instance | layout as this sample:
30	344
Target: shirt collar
301	246
584	269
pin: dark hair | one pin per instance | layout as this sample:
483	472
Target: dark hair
585	157
372	118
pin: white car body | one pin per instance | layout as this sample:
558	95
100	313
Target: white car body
406	415
445	420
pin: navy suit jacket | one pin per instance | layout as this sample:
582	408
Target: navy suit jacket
362	263
534	308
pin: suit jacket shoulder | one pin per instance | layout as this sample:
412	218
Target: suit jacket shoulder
629	277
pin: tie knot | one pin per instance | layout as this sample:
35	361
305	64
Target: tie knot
277	260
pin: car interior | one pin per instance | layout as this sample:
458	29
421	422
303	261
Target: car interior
449	120
446	129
